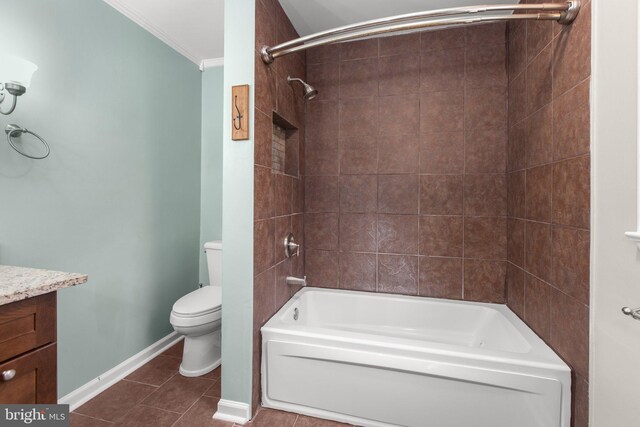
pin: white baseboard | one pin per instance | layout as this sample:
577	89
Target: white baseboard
234	412
97	385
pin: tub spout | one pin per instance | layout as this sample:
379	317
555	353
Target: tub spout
297	281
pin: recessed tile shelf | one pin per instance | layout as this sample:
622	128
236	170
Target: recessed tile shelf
285	148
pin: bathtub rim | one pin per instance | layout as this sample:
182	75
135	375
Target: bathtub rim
539	356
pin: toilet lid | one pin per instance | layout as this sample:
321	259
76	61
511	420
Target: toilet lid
201	301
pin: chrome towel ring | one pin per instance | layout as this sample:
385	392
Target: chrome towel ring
14	131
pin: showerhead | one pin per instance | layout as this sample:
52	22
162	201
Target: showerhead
309	92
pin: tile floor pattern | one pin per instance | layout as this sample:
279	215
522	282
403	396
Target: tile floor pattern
156	395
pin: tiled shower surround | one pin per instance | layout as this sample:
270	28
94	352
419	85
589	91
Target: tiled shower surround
406	155
451	164
549	191
278	198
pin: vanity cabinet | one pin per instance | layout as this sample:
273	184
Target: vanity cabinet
28	359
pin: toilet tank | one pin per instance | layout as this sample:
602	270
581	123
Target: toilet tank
214	261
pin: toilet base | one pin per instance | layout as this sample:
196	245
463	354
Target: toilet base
201	354
206	370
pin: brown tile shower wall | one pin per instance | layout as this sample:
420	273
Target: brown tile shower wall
548	181
406	153
278	198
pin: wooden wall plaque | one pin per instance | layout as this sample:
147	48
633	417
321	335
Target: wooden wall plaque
240	112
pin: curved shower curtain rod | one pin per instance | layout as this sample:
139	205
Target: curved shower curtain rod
564	13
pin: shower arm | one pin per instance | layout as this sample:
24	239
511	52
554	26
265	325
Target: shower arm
564	13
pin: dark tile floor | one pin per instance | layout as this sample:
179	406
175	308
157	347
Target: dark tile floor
156	395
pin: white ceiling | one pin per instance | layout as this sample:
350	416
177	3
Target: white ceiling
194	28
310	16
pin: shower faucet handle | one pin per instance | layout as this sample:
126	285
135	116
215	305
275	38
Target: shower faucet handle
291	248
633	312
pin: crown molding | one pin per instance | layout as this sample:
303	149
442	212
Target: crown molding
121	7
211	62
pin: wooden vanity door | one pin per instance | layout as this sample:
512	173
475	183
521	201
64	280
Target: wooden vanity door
34	380
28	359
26	325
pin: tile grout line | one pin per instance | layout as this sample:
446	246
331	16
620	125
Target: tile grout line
419	186
507	60
378	142
551	285
185	412
464	159
338	137
143	383
127	412
93	418
159	409
377	212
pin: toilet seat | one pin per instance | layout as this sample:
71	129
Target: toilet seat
204	300
193	321
199	307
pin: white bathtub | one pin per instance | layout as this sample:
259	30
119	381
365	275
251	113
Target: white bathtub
388	360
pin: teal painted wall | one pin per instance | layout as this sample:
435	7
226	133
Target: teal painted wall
237	208
119	197
211	181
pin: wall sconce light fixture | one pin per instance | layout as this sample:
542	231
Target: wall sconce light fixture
15	78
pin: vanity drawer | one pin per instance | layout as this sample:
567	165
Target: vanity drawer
33	380
27	324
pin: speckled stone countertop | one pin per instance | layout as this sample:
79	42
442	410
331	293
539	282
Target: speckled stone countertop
18	283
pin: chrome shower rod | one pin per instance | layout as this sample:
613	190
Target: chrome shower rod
564	13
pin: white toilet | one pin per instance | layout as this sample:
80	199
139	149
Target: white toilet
197	316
